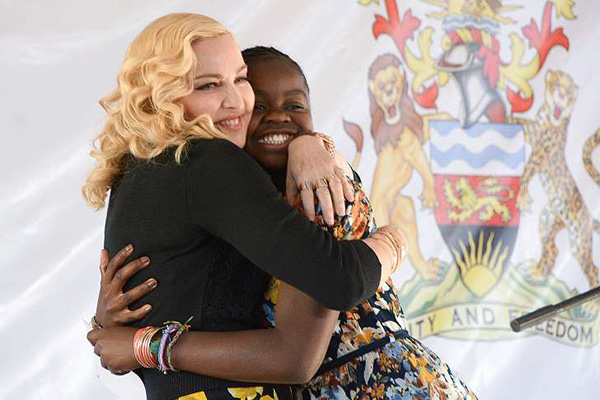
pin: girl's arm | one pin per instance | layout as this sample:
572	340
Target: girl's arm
291	352
230	197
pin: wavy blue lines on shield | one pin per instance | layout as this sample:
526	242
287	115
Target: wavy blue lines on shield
477	160
484	149
447	128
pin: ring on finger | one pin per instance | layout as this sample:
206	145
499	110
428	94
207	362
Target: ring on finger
339	172
306	185
321	183
333	177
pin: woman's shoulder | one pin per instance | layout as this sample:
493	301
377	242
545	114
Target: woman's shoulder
221	160
202	145
214	153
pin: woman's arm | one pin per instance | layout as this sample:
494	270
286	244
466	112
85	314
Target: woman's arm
229	196
289	353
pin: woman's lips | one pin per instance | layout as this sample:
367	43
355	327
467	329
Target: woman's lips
230	123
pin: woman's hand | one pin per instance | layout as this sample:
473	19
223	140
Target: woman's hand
114	346
112	309
311	167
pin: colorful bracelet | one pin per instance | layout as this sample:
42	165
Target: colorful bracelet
142	347
180	331
152	345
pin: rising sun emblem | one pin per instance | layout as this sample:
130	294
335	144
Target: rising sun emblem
480	265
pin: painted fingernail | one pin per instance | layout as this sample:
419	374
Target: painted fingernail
152	283
129	247
145	260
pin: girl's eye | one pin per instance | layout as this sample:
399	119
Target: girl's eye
259	107
294	107
241	79
207	86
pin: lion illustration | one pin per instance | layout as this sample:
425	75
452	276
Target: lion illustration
398	133
547	135
467	202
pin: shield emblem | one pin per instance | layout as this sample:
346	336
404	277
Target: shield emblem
477	172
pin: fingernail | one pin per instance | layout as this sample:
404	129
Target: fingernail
152	283
145	260
129	247
148	308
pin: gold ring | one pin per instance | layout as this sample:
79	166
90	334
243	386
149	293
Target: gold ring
321	183
332	176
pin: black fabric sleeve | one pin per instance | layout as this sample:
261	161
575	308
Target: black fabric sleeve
230	196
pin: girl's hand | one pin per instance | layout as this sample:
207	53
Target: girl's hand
311	167
112	309
114	346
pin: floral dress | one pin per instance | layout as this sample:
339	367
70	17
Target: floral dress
371	354
242	393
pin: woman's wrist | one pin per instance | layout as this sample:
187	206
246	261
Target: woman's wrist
328	143
393	240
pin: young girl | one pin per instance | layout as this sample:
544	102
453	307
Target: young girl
370	355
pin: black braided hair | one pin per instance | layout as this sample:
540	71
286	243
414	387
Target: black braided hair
261	53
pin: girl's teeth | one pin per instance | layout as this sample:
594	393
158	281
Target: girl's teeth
279	138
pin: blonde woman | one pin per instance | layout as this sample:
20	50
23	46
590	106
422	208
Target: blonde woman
210	219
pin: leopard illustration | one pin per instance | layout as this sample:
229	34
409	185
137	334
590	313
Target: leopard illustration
547	135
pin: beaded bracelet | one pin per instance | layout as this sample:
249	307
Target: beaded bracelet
181	330
165	337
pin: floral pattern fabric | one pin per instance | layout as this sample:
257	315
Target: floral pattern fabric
399	367
243	393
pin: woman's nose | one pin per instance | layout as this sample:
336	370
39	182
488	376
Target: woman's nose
233	99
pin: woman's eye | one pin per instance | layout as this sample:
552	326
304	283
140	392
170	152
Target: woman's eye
207	86
241	79
294	107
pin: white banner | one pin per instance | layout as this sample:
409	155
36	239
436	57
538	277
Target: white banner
485	158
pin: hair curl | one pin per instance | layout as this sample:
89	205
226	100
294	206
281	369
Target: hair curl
144	117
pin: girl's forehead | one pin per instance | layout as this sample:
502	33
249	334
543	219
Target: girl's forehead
274	72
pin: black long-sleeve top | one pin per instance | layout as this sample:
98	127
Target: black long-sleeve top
215	229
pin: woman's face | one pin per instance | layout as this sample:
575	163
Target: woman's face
221	89
281	112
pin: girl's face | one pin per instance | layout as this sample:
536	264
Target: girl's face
221	89
281	112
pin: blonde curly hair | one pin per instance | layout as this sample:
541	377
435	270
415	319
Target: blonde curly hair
144	117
